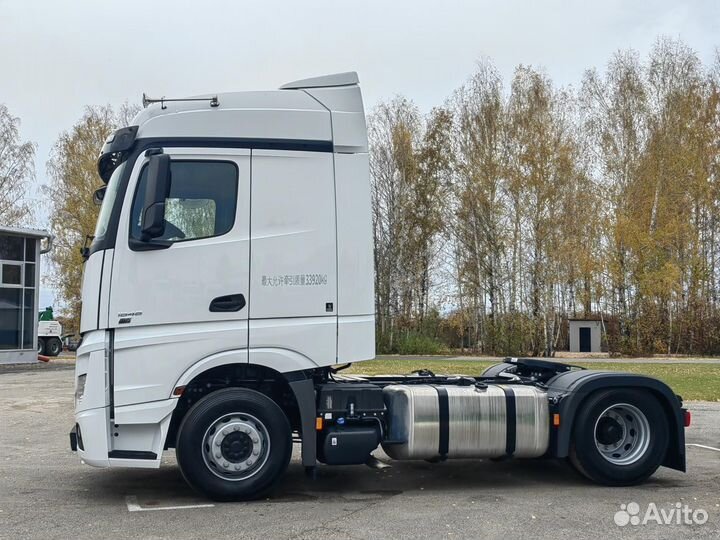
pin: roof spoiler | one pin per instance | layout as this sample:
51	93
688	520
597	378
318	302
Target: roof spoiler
349	78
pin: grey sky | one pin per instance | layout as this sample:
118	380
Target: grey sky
58	56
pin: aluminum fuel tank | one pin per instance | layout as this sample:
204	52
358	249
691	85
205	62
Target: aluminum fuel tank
429	421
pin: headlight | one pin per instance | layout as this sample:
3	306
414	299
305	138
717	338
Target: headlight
80	387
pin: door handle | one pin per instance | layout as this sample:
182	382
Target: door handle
230	302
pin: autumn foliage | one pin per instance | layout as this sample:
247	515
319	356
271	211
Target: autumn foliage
507	209
511	208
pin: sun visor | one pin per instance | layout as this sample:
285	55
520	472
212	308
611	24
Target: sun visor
119	142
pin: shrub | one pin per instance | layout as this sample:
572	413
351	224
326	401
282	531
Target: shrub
413	343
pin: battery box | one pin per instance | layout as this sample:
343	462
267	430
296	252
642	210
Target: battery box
350	400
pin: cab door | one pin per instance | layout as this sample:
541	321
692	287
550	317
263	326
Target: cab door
293	276
174	306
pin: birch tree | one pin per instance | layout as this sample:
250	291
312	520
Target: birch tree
480	132
16	171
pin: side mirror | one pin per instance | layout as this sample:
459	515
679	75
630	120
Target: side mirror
157	190
99	195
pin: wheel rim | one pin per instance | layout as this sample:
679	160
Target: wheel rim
622	434
236	446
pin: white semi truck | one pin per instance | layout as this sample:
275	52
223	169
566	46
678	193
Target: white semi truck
229	281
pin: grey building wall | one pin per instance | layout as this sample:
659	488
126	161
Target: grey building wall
595	334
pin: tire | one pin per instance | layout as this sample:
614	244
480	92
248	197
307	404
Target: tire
41	346
261	426
53	347
620	437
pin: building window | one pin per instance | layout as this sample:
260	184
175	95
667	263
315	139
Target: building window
11	248
30	249
29	321
18	283
11	274
10	318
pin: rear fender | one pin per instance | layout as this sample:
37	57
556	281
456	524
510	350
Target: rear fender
568	391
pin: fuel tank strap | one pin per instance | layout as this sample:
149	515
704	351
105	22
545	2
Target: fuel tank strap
511	421
443	422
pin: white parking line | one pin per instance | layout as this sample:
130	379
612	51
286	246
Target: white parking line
703	446
134	506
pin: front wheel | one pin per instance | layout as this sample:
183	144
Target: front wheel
234	444
620	437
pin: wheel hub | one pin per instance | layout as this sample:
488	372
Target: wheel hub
609	431
236	446
622	434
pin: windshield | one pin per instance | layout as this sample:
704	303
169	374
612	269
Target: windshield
108	202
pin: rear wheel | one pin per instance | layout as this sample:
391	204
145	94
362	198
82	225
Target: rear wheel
41	346
234	444
53	347
620	437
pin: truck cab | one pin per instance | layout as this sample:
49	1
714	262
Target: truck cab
231	277
264	256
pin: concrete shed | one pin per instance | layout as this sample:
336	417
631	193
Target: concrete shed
19	283
585	335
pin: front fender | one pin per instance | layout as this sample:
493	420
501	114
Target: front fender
280	360
295	367
568	391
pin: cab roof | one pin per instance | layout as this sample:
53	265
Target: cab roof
327	108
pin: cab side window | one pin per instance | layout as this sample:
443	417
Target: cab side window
201	204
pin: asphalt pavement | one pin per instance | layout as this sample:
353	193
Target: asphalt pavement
45	492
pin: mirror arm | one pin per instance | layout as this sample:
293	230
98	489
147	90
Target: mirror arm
150	245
